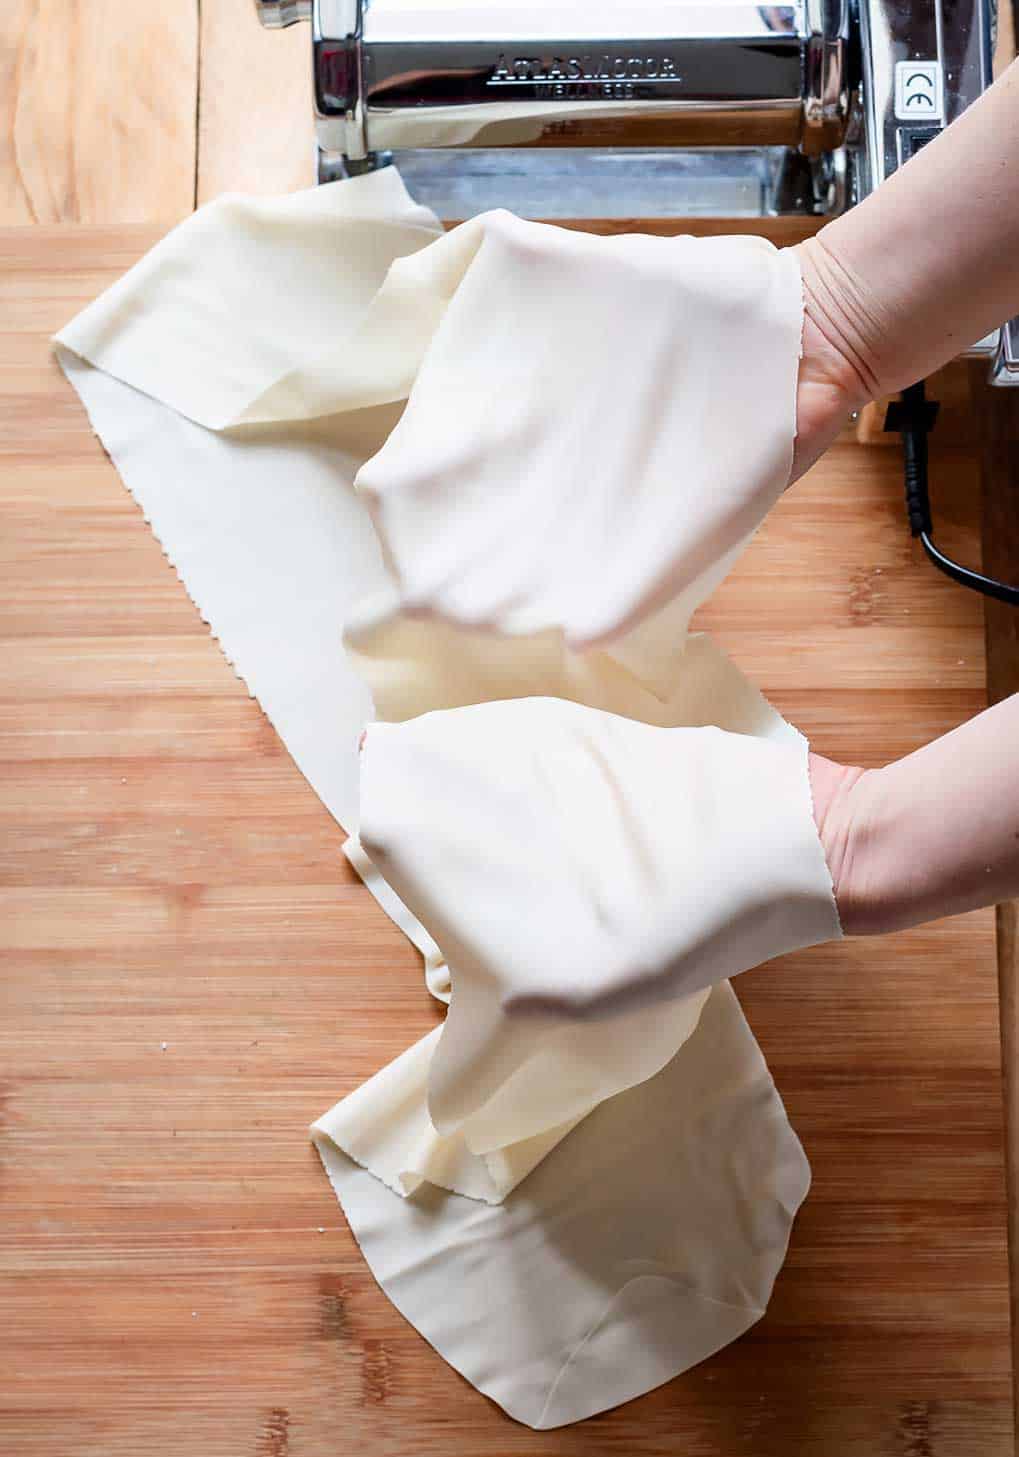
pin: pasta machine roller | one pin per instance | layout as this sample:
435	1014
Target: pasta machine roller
637	108
642	108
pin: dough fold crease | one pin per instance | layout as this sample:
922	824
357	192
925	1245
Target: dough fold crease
240	377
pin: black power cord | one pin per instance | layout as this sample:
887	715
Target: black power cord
913	416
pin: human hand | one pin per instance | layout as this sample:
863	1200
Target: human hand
834	379
888	298
577	450
930	835
839	793
578	869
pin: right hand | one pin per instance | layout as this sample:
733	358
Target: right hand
831	384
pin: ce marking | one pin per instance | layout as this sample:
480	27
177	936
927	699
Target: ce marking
919	91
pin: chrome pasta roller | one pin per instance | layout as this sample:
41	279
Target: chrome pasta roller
652	109
649	108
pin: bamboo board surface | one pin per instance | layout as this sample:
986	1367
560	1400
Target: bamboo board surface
174	1270
167	877
997	413
128	114
98	102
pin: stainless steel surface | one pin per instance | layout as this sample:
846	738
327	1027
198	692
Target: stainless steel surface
955	35
677	73
572	182
683	72
810	82
1005	366
826	80
278	14
337	34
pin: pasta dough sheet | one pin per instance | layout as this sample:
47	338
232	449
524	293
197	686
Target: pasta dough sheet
237	411
547	1072
650	1238
631	867
573	453
259	310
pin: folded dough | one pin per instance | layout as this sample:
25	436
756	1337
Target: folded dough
650	1238
575	450
414	666
215	325
256	309
656	674
632	868
279	324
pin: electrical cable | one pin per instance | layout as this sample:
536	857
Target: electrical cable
913	416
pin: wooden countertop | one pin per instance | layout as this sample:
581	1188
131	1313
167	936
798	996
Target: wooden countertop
191	974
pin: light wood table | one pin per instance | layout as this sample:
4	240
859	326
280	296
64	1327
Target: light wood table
167	877
174	1270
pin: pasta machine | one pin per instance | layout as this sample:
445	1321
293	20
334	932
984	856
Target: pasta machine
652	109
642	108
639	108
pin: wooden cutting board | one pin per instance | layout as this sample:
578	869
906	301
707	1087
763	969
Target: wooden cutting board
191	974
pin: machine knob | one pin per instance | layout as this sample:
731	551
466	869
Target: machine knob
826	93
278	14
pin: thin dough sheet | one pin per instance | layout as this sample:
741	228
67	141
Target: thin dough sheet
574	453
239	376
650	1238
412	667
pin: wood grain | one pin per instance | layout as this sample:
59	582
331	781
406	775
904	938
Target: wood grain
997	427
255	132
97	110
997	418
174	1270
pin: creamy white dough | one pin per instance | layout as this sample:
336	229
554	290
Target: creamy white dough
412	667
574	452
588	878
279	324
257	309
650	1238
652	1234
